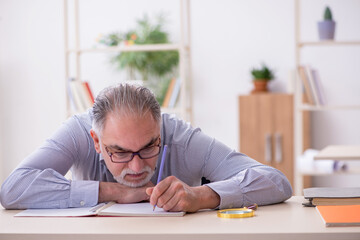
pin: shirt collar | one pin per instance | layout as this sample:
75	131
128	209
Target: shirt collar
101	157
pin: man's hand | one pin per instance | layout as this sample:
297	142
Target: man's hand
171	194
110	191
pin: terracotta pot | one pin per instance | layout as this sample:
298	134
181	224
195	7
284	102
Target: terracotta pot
260	86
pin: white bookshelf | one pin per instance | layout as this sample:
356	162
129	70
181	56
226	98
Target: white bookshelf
300	107
315	173
133	48
301	44
184	108
339	152
308	107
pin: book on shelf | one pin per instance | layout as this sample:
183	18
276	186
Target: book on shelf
169	92
332	196
89	91
340	216
310	77
306	84
175	93
319	87
143	209
70	95
312	84
80	95
75	97
172	93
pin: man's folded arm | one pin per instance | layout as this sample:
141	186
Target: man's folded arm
262	185
238	179
34	188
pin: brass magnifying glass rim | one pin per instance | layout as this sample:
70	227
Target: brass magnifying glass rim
235	213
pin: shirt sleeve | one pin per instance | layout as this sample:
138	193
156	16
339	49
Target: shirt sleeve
39	182
238	179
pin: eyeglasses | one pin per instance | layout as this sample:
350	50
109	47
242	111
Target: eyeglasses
125	157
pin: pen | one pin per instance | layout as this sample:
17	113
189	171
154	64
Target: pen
97	207
161	168
253	207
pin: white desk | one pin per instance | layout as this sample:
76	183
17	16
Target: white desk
289	220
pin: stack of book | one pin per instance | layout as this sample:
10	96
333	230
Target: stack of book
312	85
336	206
172	93
332	196
80	94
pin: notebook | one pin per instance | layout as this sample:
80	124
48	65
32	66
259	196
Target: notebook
144	209
339	216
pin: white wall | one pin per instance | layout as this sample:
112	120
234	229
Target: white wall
229	37
31	77
228	40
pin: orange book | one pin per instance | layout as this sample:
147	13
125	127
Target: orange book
340	216
169	92
88	90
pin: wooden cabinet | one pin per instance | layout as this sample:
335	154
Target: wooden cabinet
266	130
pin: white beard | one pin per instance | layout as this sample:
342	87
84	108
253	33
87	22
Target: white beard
121	178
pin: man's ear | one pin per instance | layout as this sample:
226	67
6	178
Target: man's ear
96	141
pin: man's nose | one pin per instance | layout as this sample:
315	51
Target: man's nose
136	164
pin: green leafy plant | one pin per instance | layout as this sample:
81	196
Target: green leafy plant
147	64
262	74
327	14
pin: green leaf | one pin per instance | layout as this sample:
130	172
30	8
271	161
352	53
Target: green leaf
263	73
327	14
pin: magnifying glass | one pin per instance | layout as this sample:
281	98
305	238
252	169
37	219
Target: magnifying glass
238	212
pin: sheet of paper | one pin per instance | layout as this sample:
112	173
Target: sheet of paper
65	212
136	209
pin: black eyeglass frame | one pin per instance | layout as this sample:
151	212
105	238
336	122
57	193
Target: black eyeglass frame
134	153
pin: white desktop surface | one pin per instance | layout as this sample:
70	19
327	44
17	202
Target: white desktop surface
289	220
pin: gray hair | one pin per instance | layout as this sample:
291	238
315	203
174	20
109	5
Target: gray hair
124	99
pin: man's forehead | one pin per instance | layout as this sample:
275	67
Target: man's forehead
129	116
129	132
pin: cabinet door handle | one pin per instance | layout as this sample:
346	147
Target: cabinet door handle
268	148
278	148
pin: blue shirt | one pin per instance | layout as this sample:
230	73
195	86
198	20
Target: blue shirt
39	182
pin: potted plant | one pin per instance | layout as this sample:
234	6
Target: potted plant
148	63
326	27
261	77
155	68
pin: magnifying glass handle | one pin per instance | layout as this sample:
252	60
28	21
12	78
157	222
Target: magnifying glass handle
253	207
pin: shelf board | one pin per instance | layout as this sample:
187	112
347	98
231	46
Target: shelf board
339	152
327	43
132	48
353	171
328	107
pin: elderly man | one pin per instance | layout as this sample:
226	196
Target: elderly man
113	152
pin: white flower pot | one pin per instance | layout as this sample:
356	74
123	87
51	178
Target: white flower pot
326	30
